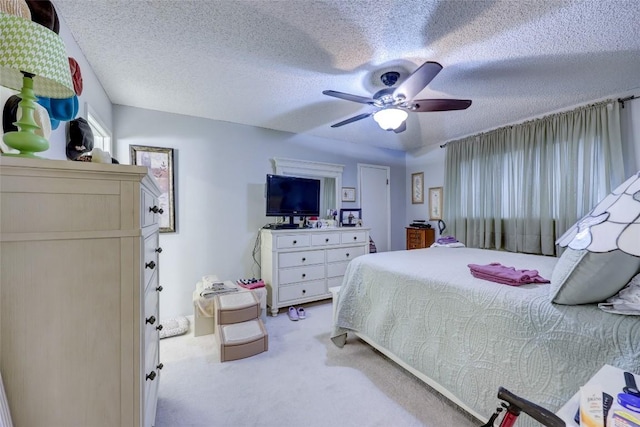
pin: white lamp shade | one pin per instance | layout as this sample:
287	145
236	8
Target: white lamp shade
390	118
30	47
613	224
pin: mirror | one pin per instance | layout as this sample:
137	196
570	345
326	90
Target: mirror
330	175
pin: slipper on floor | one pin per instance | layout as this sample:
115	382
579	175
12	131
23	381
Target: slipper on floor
301	313
293	313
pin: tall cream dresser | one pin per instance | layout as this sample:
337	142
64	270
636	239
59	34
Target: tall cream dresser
300	265
78	293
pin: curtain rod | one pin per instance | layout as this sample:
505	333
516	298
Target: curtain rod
606	101
628	98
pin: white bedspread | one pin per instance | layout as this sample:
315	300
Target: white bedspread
472	336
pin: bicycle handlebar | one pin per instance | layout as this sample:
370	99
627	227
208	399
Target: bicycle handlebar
536	412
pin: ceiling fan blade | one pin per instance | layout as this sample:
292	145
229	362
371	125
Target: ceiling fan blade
401	128
417	81
349	97
352	119
423	105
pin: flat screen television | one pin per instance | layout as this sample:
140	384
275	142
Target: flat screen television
292	196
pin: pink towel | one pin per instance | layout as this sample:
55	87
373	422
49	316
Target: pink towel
496	272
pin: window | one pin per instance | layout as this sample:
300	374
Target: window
101	134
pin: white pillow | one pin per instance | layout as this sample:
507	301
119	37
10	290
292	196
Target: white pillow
582	277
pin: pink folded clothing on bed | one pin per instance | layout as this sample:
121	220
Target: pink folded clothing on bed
499	273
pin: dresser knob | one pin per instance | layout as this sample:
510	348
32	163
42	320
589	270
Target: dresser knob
154	209
150	265
304	291
160	366
159	289
304	259
347	254
355	237
304	275
295	241
159	250
159	327
151	376
151	320
326	240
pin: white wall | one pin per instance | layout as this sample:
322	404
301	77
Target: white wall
220	171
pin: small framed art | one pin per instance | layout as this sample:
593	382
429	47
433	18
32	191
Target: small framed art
417	187
348	194
160	163
435	203
350	217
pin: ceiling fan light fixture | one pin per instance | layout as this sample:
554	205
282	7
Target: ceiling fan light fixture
390	118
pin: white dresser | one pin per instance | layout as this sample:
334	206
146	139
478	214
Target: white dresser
300	265
78	293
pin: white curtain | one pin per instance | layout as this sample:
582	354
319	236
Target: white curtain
517	188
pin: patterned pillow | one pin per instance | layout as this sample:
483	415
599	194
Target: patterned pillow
582	277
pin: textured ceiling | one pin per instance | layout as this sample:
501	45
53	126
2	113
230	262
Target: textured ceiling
265	63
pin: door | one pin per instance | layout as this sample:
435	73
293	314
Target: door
375	203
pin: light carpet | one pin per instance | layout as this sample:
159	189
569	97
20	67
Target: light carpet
304	380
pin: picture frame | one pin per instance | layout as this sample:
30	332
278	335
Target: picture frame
435	203
160	163
350	217
348	194
417	188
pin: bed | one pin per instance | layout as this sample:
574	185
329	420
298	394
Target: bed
466	336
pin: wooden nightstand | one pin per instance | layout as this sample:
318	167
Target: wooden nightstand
418	238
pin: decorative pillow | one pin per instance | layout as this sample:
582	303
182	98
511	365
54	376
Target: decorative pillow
582	277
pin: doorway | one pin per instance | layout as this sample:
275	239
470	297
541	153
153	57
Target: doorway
375	196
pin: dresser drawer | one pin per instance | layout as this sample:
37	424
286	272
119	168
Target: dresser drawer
149	202
354	237
151	389
344	254
302	290
325	239
297	259
300	274
337	268
150	260
297	241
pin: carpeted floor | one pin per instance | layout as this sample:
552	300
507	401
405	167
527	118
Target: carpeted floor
304	380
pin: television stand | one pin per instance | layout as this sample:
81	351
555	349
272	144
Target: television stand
286	226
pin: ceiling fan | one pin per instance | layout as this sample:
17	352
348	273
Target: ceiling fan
393	104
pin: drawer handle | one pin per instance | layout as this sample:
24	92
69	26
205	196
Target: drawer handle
304	275
159	327
160	366
151	376
159	250
355	237
151	320
154	209
347	254
150	265
303	259
326	240
159	289
304	291
295	241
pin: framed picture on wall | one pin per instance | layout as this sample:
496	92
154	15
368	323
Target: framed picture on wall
435	203
417	188
348	194
160	163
